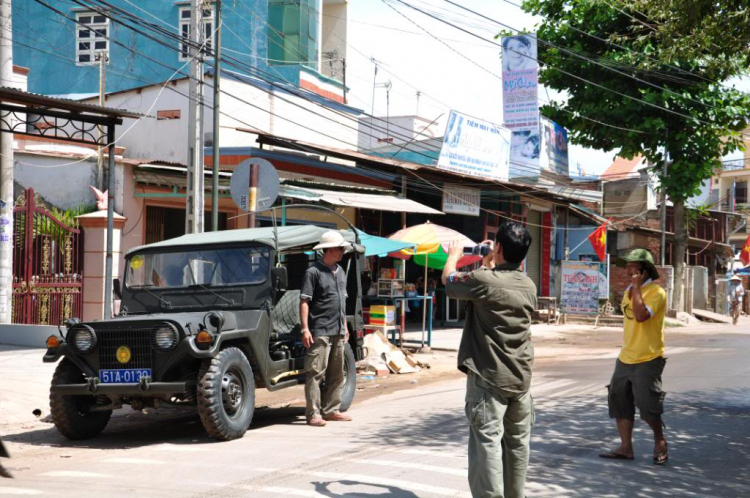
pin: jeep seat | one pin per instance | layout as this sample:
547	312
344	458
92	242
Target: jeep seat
285	316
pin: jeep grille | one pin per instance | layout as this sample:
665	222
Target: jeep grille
139	342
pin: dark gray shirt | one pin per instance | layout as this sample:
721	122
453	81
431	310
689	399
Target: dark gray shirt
326	293
496	342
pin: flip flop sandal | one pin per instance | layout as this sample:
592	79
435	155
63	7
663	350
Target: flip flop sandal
616	456
661	457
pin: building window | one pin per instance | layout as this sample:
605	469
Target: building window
92	32
208	30
740	193
293	34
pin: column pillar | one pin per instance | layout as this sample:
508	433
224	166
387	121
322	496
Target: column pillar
94	226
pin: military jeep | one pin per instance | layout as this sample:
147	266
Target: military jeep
204	320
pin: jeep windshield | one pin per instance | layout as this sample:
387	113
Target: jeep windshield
215	267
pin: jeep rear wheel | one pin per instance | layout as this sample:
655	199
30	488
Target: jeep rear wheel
350	379
226	394
73	415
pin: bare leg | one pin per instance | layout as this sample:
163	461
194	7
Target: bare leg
660	442
625	428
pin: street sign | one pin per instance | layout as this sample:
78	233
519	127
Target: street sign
259	196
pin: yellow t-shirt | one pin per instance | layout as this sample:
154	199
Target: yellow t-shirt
644	341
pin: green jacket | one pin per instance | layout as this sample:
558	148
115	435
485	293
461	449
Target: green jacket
496	341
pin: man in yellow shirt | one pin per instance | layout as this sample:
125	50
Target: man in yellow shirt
637	377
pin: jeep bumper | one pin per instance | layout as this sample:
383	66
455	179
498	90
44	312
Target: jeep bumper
142	389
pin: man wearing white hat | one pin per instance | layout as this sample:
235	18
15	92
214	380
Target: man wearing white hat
322	313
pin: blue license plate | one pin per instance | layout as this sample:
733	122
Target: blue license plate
123	375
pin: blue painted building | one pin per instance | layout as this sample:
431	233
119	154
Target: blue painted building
279	40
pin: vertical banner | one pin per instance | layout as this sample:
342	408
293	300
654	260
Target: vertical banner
554	153
546	252
580	287
475	147
520	83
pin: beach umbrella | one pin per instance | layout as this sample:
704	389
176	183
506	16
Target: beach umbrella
431	251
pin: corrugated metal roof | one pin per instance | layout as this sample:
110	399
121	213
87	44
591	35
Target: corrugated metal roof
14	95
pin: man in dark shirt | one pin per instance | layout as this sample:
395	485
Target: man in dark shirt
322	312
497	355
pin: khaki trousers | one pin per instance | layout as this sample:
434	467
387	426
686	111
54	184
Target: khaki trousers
500	428
324	360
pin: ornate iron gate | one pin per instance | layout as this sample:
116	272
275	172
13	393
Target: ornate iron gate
47	264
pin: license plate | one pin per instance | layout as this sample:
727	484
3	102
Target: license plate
123	375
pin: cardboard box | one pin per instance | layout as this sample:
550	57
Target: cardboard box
382	315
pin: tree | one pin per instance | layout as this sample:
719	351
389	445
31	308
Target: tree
716	30
592	50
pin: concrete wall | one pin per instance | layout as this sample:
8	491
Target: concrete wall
31	336
333	36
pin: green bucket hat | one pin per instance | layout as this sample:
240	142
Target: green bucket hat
639	256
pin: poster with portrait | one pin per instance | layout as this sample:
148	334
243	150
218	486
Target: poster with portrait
580	287
524	155
475	147
554	150
520	83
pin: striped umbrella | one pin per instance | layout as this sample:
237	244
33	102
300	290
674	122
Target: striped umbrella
432	242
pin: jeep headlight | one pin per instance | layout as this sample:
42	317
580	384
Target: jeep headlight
81	338
166	337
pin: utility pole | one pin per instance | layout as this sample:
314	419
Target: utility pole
6	172
372	107
103	59
217	151
664	210
419	94
194	208
343	72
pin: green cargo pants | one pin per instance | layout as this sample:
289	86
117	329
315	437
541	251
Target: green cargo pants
324	360
500	428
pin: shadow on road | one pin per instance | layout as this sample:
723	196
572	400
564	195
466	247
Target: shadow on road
323	488
137	429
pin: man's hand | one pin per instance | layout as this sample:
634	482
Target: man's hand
307	339
637	279
455	252
489	260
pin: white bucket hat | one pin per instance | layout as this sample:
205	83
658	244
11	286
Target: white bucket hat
736	277
332	238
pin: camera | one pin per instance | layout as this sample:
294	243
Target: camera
480	250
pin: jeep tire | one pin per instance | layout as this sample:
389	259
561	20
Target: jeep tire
72	414
350	379
226	394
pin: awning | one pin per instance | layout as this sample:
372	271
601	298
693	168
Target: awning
380	246
355	199
175	177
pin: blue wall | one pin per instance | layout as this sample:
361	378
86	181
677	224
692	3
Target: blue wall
575	236
52	58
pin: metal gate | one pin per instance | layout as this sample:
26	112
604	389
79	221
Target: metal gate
47	264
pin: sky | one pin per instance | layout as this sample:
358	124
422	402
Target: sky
451	69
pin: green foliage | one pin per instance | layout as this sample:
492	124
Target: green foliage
706	118
68	217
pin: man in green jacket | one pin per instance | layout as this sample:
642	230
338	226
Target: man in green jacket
497	355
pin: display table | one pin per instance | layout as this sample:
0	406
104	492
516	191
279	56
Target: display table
550	303
393	329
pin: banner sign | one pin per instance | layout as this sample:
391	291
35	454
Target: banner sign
520	83
459	200
475	147
554	156
580	287
524	154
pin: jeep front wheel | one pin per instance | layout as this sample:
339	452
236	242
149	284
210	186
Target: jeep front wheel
226	394
74	415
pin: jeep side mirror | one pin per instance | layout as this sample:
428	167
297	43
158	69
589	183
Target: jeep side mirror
279	279
117	288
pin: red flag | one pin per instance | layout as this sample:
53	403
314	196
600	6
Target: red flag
745	254
598	239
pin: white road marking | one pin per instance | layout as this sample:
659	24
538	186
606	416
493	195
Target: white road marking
406	465
19	491
134	461
397	483
578	390
74	473
429	453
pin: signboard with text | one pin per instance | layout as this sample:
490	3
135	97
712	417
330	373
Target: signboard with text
520	83
475	147
459	200
580	287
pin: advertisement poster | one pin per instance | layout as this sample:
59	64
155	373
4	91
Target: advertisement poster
475	147
524	154
580	287
554	153
520	83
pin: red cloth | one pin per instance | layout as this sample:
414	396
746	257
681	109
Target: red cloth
598	240
745	254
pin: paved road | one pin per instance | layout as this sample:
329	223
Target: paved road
413	442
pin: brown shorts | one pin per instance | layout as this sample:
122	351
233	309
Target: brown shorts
637	384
